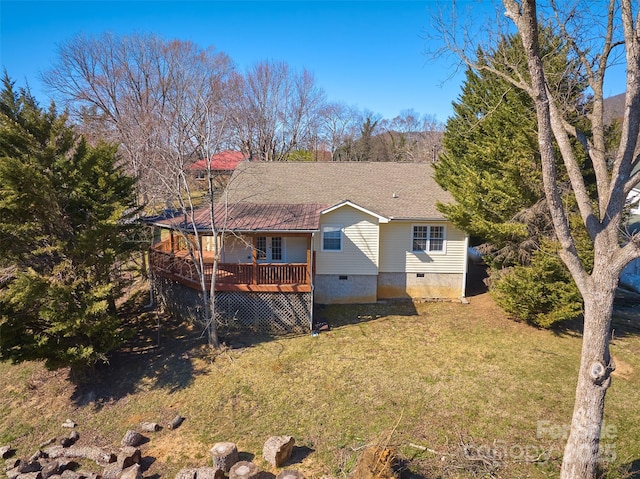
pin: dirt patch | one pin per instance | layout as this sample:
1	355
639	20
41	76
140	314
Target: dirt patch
623	369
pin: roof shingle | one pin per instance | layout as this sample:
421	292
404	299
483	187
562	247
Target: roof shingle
392	190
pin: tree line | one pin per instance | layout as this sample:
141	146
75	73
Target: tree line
171	102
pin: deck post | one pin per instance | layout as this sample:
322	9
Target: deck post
254	259
308	278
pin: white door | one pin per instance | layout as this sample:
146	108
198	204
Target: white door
270	249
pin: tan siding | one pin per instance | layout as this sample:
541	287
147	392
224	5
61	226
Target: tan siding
359	253
295	249
396	254
237	250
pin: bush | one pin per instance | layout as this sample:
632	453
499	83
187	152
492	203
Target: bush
541	293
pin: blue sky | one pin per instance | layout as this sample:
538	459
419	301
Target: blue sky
369	54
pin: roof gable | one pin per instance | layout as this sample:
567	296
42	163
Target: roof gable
390	190
381	219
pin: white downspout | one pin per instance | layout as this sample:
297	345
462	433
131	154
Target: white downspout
466	267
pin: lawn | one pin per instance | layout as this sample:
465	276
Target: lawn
458	390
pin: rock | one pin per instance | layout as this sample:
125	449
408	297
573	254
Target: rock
31	475
74	436
50	468
186	474
13	473
66	442
69	423
132	472
88	475
6	452
47	443
132	438
11	463
290	474
150	427
244	470
67	463
29	466
93	453
224	455
277	450
36	455
111	471
69	474
209	473
128	456
175	422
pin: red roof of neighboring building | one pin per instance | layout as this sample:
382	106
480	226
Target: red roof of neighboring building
226	160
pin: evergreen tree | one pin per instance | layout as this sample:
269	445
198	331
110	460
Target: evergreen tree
65	217
491	166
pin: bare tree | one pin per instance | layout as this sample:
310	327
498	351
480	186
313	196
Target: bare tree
194	126
613	35
274	110
162	101
337	126
413	137
120	86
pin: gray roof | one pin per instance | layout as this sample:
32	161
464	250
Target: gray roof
392	190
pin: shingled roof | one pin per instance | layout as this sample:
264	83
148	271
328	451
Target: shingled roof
391	190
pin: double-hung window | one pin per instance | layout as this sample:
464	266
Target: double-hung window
332	238
428	239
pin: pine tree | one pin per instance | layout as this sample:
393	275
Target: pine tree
491	166
65	220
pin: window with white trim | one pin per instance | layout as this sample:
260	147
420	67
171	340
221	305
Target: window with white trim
276	248
332	238
261	247
428	239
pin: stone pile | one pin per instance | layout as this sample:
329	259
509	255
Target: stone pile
58	458
60	461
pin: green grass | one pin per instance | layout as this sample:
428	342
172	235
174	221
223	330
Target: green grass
433	375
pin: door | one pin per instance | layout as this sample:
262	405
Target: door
270	249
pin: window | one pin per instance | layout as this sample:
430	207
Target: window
276	248
428	238
261	247
332	238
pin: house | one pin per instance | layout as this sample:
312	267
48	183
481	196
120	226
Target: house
292	235
222	166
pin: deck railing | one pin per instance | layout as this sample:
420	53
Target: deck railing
272	274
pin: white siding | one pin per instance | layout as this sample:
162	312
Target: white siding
396	254
359	253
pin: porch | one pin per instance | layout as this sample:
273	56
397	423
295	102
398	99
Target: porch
172	260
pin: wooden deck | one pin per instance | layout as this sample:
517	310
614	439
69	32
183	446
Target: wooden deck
254	277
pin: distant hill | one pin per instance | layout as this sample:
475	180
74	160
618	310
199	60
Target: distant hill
613	108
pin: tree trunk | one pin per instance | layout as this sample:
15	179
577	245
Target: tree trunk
224	455
581	451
